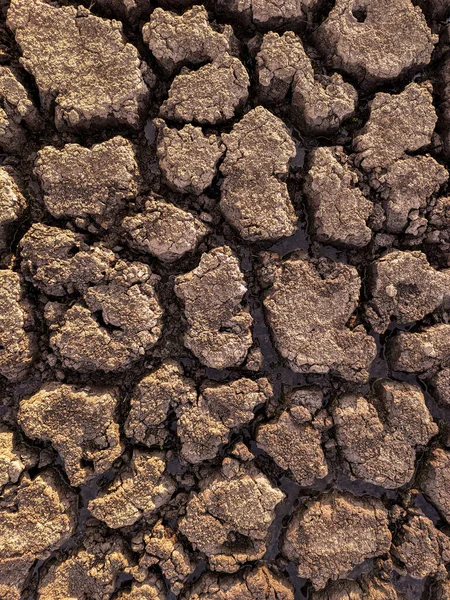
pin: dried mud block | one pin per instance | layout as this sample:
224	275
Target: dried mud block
335	533
366	587
294	439
259	583
12	205
60	47
17	113
407	186
421	549
187	39
419	352
17	338
444	104
218	409
267	13
152	399
434	480
319	103
278	61
229	518
398	124
81	424
15	458
378	436
153	588
187	157
338	207
218	321
164	230
308	305
376	41
164	549
440	387
36	517
404	287
438	231
109	180
442	590
14	575
254	195
90	571
59	261
319	106
210	95
136	493
118	322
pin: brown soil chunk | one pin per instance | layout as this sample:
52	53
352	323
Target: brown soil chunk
187	158
137	492
164	230
444	94
308	306
151	400
278	60
59	261
293	439
338	207
17	112
218	322
378	436
419	352
187	39
267	13
404	287
90	571
36	517
205	422
254	196
334	534
11	465
439	222
164	549
61	47
364	588
15	458
110	177
153	588
421	549
260	583
376	41
398	123
17	338
12	205
435	480
319	104
121	320
440	386
407	186
442	590
79	422
210	95
229	518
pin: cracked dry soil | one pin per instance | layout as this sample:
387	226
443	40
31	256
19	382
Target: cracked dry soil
225	300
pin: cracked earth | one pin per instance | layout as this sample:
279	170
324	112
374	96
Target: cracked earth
225	300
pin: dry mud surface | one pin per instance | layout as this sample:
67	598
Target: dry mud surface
225	300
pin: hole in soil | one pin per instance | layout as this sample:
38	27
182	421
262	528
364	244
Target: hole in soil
360	13
72	251
85	463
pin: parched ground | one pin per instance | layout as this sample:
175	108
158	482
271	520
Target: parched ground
225	300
